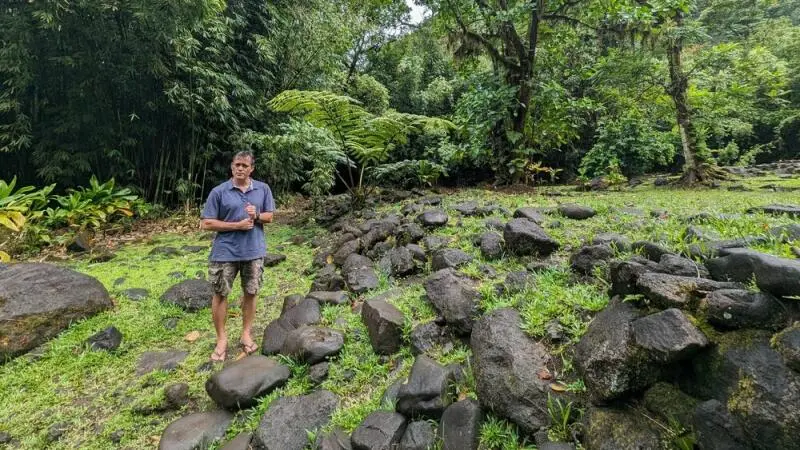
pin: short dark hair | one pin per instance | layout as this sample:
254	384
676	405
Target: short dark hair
246	154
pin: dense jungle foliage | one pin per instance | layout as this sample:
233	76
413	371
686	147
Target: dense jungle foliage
158	94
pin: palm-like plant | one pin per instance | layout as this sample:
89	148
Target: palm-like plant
365	139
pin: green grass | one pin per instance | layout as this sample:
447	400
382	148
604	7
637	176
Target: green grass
97	393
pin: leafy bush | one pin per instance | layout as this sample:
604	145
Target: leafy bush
16	207
629	143
789	137
409	173
90	208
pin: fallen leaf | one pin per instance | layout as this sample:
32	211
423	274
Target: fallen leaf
192	336
155	439
558	387
544	374
329	259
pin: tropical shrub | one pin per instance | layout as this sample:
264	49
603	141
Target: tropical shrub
90	208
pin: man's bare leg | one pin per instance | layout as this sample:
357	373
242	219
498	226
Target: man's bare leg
219	312
248	315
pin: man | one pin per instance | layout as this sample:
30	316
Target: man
237	210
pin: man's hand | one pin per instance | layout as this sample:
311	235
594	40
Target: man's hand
251	211
245	224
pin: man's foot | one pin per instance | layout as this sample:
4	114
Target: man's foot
218	356
250	348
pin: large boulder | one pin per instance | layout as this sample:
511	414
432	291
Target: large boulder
380	430
607	359
525	237
399	261
449	258
461	425
190	295
716	429
624	274
336	439
748	376
427	392
454	297
328	279
506	365
288	420
678	265
242	383
668	336
409	233
38	301
428	336
530	213
312	344
787	343
384	324
672	291
739	308
778	276
468	208
198	430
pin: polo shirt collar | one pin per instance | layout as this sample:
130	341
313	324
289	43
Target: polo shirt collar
250	186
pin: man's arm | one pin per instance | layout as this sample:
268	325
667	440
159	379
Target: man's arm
221	225
265	217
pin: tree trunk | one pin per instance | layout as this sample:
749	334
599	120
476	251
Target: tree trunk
693	171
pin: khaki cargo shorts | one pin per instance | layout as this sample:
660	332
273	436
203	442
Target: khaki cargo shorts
222	274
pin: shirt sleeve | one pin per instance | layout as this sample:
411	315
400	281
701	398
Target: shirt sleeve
269	203
211	208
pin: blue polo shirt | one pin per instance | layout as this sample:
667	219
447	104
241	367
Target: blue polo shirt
227	202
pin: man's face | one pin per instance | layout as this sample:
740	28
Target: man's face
241	168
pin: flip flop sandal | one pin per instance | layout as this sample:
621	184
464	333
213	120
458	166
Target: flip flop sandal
218	356
249	349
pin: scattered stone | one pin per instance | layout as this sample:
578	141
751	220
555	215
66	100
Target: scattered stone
170	323
197	430
672	291
240	442
786	233
194	248
678	265
427	391
347	249
389	396
176	395
575	211
716	429
38	301
417	253
288	420
290	301
419	435
318	372
359	274
336	439
461	425
164	251
428	336
614	429
115	437
240	384
556	446
82	242
136	294
433	218
693	233
711	249
101	256
431	200
454	297
108	339
618	241
118	282
625	274
409	233
529	213
167	361
468	208
312	344
434	242
515	282
491	245
272	259
177	275
384	324
739	308
649	250
306	312
449	258
189	295
56	430
590	257
778	210
412	208
330	297
661	181
399	261
778	276
524	237
668	336
506	364
379	430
